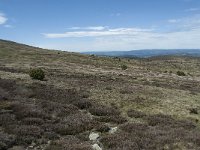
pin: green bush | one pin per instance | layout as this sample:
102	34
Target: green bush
180	73
37	74
124	67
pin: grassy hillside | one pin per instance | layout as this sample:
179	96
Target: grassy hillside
148	105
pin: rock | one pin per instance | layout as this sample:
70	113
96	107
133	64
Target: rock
96	147
17	148
31	147
113	130
93	136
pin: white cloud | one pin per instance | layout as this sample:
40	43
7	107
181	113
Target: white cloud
74	28
178	33
3	19
99	32
89	28
96	28
143	40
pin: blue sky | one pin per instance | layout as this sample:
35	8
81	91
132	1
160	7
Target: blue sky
102	25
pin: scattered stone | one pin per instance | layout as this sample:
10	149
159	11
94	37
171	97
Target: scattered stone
93	136
113	130
96	147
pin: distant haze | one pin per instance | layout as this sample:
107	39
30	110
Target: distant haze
148	53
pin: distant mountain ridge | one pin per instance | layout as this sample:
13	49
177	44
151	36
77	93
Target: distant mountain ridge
148	53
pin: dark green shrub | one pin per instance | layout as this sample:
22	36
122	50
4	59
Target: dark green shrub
37	74
193	111
180	73
124	67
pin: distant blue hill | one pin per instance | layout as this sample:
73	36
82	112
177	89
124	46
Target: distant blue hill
148	53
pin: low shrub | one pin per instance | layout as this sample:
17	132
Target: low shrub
119	141
167	121
180	73
193	111
108	88
103	128
51	135
27	111
37	74
126	91
57	109
7	119
124	67
113	119
28	130
69	143
33	121
103	110
135	114
74	123
136	128
83	104
6	141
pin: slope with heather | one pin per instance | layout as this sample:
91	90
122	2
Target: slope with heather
148	103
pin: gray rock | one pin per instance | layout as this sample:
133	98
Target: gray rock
93	136
113	130
96	147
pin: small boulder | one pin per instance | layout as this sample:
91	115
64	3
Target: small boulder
93	136
113	130
96	147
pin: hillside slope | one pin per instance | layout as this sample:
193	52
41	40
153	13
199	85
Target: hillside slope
147	106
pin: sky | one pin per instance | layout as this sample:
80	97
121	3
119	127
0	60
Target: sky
102	25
